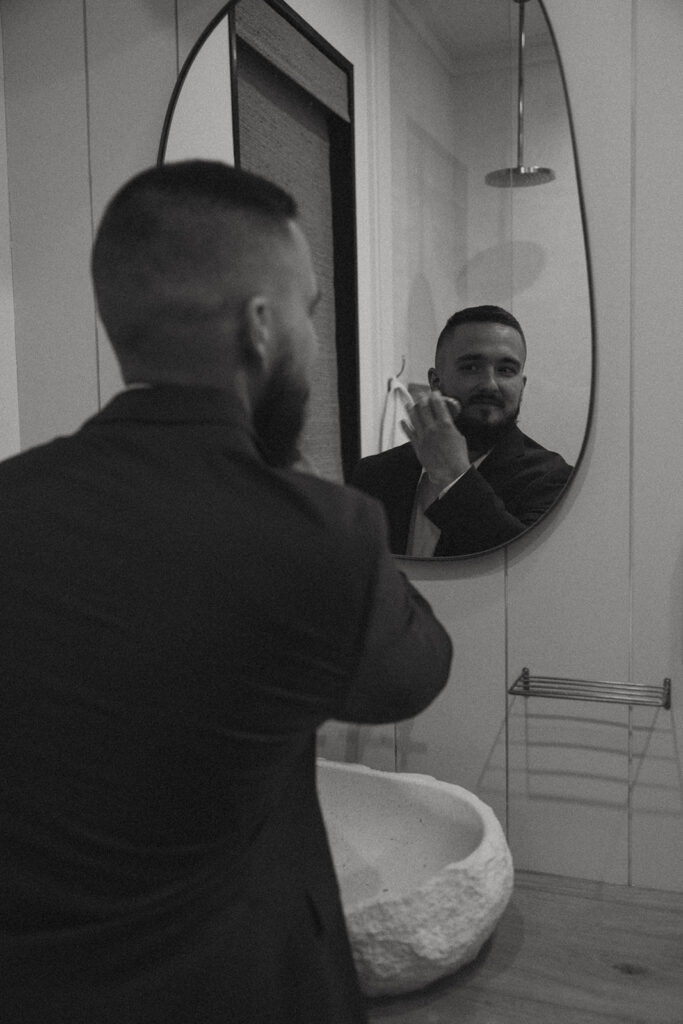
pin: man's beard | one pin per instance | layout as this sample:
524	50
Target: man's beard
480	436
280	415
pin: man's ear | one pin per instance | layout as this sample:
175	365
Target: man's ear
434	380
259	335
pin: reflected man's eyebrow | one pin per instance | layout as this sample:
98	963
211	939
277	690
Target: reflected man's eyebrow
469	357
315	300
477	357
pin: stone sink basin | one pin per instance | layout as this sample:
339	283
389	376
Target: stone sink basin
424	870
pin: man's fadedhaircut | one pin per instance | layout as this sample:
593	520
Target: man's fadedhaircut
205	183
480	315
141	239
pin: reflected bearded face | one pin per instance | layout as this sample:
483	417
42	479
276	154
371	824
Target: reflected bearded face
481	365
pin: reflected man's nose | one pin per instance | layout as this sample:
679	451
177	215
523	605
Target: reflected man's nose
487	380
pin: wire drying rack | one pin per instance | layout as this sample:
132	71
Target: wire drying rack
527	685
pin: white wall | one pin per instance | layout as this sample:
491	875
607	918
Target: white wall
656	541
597	590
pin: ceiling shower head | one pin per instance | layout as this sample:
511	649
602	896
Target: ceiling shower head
520	176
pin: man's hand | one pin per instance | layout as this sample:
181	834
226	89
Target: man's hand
437	442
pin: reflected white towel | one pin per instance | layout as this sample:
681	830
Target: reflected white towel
398	398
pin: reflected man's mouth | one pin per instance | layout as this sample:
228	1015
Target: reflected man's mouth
487	400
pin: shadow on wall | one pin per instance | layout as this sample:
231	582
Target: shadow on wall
608	757
656	771
600	760
510	268
374	746
492	781
388	747
557	753
422	326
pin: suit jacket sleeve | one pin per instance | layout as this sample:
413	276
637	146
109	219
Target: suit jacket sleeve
473	511
405	653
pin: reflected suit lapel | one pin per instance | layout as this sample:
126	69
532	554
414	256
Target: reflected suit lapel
401	485
499	465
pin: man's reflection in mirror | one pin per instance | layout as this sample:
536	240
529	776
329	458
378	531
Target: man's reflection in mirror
467	479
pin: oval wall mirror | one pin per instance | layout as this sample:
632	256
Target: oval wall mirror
486	209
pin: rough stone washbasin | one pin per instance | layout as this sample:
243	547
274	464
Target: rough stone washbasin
424	870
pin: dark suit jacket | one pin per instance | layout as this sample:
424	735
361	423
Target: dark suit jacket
514	486
177	620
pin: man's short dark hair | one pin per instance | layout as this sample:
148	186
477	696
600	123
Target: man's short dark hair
480	315
200	183
143	239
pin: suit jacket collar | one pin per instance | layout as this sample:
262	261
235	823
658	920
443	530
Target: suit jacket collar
508	448
181	405
174	403
402	486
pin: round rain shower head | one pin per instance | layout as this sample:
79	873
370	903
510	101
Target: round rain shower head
519	177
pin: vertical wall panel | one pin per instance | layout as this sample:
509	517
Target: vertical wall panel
9	397
132	61
657	768
46	105
568	768
568	585
461	737
372	745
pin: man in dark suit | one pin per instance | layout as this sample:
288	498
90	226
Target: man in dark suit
468	480
180	611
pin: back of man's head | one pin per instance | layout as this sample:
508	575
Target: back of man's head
179	249
480	314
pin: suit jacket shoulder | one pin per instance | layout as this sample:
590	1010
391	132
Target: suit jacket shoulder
517	483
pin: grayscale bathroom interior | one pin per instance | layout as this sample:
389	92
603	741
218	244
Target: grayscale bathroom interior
445	153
